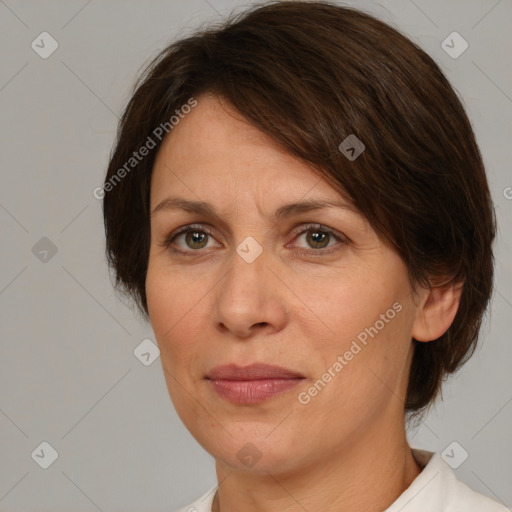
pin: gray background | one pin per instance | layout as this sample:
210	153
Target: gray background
68	374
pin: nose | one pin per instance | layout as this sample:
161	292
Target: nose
250	298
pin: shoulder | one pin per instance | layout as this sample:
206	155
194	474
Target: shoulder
464	499
438	488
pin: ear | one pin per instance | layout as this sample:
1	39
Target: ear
436	311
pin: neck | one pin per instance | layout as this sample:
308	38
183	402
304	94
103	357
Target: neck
368	475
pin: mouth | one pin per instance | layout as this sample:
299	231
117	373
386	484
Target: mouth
252	384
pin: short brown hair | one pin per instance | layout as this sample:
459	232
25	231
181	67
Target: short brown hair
309	74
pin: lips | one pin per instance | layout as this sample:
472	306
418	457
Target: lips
253	384
256	371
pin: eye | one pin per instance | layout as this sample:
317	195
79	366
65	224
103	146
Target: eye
196	237
318	237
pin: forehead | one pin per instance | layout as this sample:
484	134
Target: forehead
213	150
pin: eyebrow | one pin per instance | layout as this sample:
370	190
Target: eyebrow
285	211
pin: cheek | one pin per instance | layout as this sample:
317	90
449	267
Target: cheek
168	295
173	318
160	300
167	305
176	306
367	320
377	372
337	310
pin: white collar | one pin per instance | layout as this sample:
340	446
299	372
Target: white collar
435	489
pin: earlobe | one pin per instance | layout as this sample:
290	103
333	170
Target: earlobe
437	311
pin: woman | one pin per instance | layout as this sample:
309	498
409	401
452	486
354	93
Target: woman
297	204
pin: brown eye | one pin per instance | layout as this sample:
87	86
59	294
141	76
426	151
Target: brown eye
317	237
194	239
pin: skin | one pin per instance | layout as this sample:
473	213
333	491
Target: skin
346	449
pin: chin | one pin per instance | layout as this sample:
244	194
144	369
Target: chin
256	452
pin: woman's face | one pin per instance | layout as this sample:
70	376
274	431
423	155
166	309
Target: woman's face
329	302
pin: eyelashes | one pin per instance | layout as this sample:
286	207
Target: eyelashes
195	228
319	234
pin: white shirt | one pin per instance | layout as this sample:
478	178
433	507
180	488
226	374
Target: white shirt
435	489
